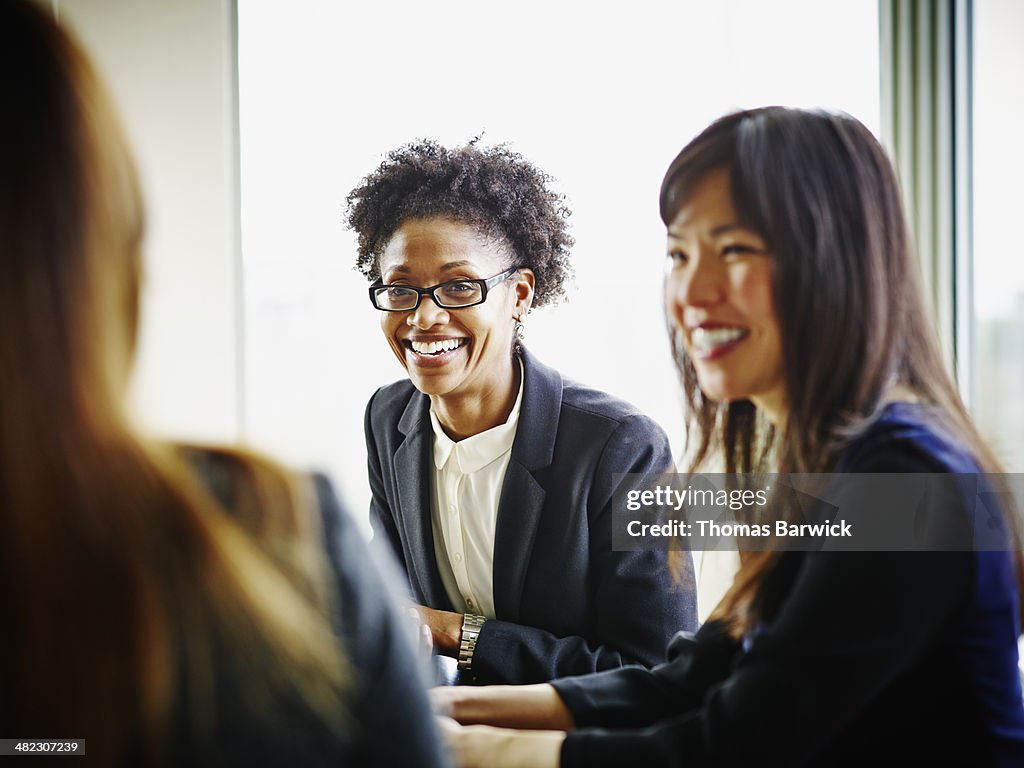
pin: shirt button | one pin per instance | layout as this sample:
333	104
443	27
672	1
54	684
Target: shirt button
458	557
469	602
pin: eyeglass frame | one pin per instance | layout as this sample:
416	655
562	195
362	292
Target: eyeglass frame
485	283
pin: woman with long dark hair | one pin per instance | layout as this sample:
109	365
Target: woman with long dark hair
804	346
167	605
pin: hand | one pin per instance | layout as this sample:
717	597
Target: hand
481	746
445	629
537	707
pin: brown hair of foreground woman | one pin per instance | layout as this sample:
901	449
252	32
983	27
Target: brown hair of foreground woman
125	587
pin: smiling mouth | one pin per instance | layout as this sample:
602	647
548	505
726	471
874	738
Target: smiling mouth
435	348
711	342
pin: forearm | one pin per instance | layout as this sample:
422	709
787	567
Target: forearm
535	707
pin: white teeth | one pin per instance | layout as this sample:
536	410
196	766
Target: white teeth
707	339
433	347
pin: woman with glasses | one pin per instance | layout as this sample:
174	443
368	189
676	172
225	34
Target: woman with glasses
492	476
804	346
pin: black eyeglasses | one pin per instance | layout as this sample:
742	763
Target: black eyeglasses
454	294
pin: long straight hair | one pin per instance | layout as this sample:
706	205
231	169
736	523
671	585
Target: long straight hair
847	292
123	580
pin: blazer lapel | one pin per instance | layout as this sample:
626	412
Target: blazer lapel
522	496
413	464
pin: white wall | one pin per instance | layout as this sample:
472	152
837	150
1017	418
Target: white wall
170	66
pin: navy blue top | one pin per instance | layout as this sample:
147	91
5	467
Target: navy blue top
870	655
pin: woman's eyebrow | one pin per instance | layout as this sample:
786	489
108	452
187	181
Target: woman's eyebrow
405	269
720	229
456	264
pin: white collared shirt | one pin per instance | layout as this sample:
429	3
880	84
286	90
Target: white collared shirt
468	477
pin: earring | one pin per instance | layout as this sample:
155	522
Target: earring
518	331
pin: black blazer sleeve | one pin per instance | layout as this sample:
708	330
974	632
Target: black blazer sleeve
633	697
637	604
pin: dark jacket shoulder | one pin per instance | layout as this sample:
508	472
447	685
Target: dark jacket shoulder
594	407
594	401
390	401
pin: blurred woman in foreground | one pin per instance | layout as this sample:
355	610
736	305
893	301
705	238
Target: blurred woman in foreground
804	347
168	606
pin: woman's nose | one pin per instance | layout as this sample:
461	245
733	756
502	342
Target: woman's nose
692	289
427	314
697	284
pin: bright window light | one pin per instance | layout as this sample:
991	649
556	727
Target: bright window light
601	96
998	366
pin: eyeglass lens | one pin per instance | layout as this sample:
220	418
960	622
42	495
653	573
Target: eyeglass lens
458	293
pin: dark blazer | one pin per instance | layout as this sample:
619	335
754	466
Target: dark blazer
566	604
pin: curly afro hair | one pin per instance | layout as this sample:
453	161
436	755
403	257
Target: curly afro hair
493	189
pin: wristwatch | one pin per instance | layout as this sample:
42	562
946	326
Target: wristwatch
471	624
